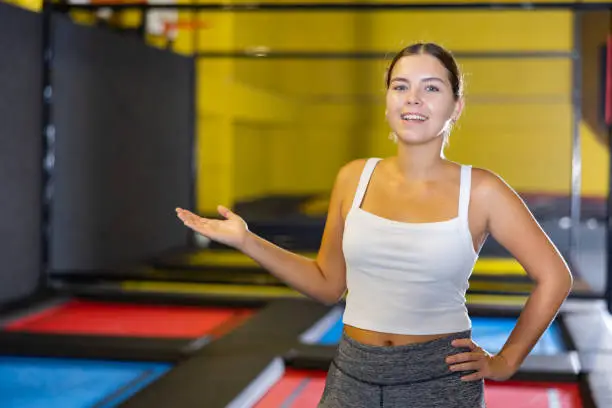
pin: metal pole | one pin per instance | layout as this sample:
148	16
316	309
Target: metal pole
608	116
195	99
48	138
608	254
576	154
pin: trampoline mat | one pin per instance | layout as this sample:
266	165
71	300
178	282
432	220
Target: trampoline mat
303	389
68	383
131	320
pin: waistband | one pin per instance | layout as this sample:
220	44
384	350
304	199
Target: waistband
394	365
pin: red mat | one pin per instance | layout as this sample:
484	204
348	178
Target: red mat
133	320
303	389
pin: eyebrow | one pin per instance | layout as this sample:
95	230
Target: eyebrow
401	79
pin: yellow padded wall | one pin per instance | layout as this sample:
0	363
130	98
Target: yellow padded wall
517	120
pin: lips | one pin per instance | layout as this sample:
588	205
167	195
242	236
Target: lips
413	116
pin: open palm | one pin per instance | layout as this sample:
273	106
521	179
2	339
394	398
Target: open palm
230	231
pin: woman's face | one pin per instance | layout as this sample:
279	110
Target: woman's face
420	100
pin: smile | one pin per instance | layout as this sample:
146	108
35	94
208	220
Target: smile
414	117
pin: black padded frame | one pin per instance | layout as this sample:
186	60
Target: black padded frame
218	373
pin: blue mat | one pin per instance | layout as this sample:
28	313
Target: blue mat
489	332
67	383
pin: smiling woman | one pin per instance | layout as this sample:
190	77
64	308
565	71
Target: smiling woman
433	86
402	236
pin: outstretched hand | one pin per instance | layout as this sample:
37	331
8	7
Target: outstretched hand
479	361
231	231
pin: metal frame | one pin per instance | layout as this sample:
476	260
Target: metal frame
48	139
576	153
193	117
271	54
331	7
574	55
608	292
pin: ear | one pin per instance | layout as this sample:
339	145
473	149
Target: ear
458	109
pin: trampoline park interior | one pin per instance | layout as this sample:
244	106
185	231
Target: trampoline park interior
114	114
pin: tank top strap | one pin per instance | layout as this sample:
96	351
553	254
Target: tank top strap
464	191
366	174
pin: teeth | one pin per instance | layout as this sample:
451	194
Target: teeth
413	117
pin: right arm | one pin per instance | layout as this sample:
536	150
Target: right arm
323	278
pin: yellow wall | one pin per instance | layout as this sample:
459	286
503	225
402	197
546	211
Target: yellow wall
517	116
306	151
286	125
517	122
251	155
263	125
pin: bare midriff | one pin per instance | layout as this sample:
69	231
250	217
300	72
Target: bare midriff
374	338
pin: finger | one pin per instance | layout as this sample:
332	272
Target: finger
463	357
189	216
186	217
194	222
226	213
470	366
464	343
183	211
473	377
204	229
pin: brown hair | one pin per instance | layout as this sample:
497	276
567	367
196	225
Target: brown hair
443	55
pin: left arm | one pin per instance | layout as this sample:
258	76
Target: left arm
511	223
514	227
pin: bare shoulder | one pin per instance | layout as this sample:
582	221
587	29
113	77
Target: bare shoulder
351	170
487	183
349	174
346	183
493	194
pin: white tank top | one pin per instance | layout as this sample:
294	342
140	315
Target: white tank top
407	278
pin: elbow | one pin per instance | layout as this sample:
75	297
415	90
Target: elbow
561	283
332	297
331	288
569	282
331	301
566	281
327	301
570	278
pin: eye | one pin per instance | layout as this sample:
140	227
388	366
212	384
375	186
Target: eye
432	88
399	88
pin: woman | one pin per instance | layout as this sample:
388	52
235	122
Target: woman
402	235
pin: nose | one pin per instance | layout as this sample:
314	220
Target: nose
413	97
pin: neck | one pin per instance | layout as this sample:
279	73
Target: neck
419	162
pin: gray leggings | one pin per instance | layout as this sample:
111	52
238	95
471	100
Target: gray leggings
410	376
